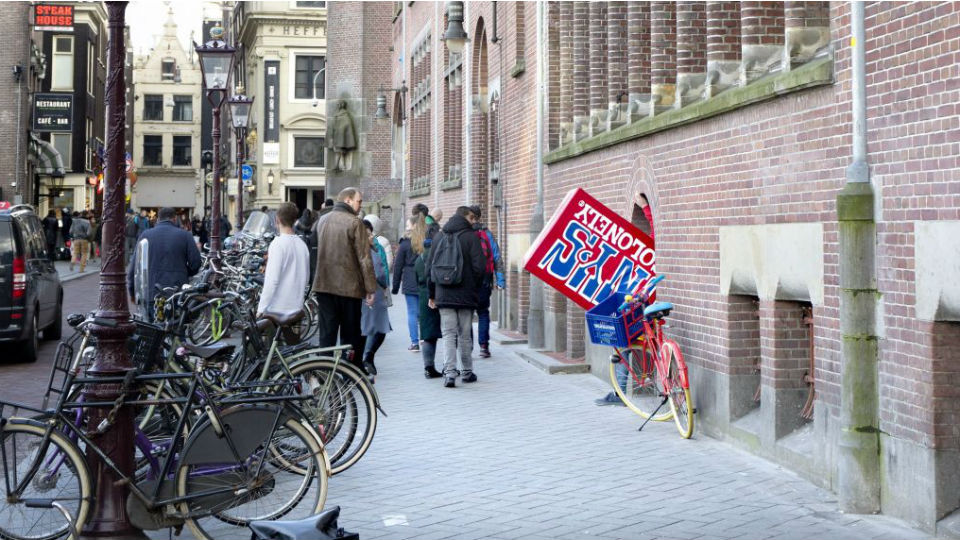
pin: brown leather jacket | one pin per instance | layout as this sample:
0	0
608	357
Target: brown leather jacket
344	267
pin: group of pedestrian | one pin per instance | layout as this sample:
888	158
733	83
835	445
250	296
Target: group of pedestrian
80	232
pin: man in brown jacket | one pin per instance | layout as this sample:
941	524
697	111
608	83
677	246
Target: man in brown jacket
344	276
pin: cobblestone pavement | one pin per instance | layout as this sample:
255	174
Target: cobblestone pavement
523	454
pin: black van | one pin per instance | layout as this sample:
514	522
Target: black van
31	296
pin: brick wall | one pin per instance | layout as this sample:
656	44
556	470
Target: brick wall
15	43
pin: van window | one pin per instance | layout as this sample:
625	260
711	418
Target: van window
39	239
19	237
6	243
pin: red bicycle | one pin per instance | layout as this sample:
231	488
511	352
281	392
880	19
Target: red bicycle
650	371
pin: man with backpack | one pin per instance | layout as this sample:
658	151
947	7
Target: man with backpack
80	233
492	275
455	273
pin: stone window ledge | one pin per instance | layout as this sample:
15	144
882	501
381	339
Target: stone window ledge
419	192
815	73
452	183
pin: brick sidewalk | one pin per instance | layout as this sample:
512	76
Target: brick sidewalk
523	454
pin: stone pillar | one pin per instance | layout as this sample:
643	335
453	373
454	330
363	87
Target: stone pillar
581	68
761	25
566	72
723	47
663	55
691	51
807	30
638	54
598	67
617	64
565	67
553	75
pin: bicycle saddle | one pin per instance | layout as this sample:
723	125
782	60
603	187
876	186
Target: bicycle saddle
658	310
209	351
282	320
322	526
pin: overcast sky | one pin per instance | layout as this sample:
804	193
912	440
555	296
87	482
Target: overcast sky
146	18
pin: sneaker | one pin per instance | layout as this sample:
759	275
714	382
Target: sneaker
449	382
485	351
470	377
610	399
432	373
415	348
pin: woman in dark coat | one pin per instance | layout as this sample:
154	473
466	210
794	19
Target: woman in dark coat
429	318
405	276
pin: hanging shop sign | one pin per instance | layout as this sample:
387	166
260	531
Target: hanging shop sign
271	81
588	251
53	112
53	17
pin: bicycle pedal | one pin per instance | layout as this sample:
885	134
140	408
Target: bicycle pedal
694	410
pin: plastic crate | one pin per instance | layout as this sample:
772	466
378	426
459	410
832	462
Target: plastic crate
607	326
146	346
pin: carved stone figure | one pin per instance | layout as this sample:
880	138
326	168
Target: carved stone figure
344	137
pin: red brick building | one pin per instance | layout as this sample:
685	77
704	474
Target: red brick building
734	119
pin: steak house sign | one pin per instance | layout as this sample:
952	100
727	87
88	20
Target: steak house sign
587	251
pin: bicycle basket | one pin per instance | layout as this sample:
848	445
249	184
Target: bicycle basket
146	346
608	326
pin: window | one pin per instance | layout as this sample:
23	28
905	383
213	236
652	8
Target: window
168	69
308	152
91	67
62	72
152	150
183	108
91	145
311	4
153	107
310	77
62	142
182	155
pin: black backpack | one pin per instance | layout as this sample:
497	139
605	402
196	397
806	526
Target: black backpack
447	266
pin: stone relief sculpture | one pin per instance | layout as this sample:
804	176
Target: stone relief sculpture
343	136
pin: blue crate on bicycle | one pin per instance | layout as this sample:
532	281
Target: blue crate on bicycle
608	325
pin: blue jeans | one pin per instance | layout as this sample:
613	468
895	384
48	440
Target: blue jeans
483	315
413	317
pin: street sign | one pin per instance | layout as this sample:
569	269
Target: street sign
53	112
588	251
129	161
246	172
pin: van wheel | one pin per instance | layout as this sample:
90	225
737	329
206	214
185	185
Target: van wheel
30	346
55	330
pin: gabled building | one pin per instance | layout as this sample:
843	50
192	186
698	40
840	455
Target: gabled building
166	140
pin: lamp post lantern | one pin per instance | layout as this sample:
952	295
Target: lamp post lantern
455	35
240	115
216	65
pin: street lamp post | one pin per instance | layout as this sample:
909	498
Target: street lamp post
116	437
216	64
240	115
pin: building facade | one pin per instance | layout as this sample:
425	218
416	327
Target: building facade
282	65
72	93
166	139
733	120
29	67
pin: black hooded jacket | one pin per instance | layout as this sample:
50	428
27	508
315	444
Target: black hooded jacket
463	295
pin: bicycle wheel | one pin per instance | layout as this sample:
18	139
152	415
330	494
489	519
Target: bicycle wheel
638	385
681	401
265	485
343	410
61	476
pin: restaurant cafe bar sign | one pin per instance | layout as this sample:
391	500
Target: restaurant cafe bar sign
53	112
56	17
588	251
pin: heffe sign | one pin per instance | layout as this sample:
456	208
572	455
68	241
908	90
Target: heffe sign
588	251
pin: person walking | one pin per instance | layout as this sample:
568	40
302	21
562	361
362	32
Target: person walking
80	241
288	268
66	221
428	317
455	273
344	275
51	228
304	224
374	318
130	232
143	222
172	257
405	276
97	238
492	276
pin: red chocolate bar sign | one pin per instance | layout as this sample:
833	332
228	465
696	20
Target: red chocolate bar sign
587	251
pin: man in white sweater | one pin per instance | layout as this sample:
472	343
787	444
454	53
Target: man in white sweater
288	268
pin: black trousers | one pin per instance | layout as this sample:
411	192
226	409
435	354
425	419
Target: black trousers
340	316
